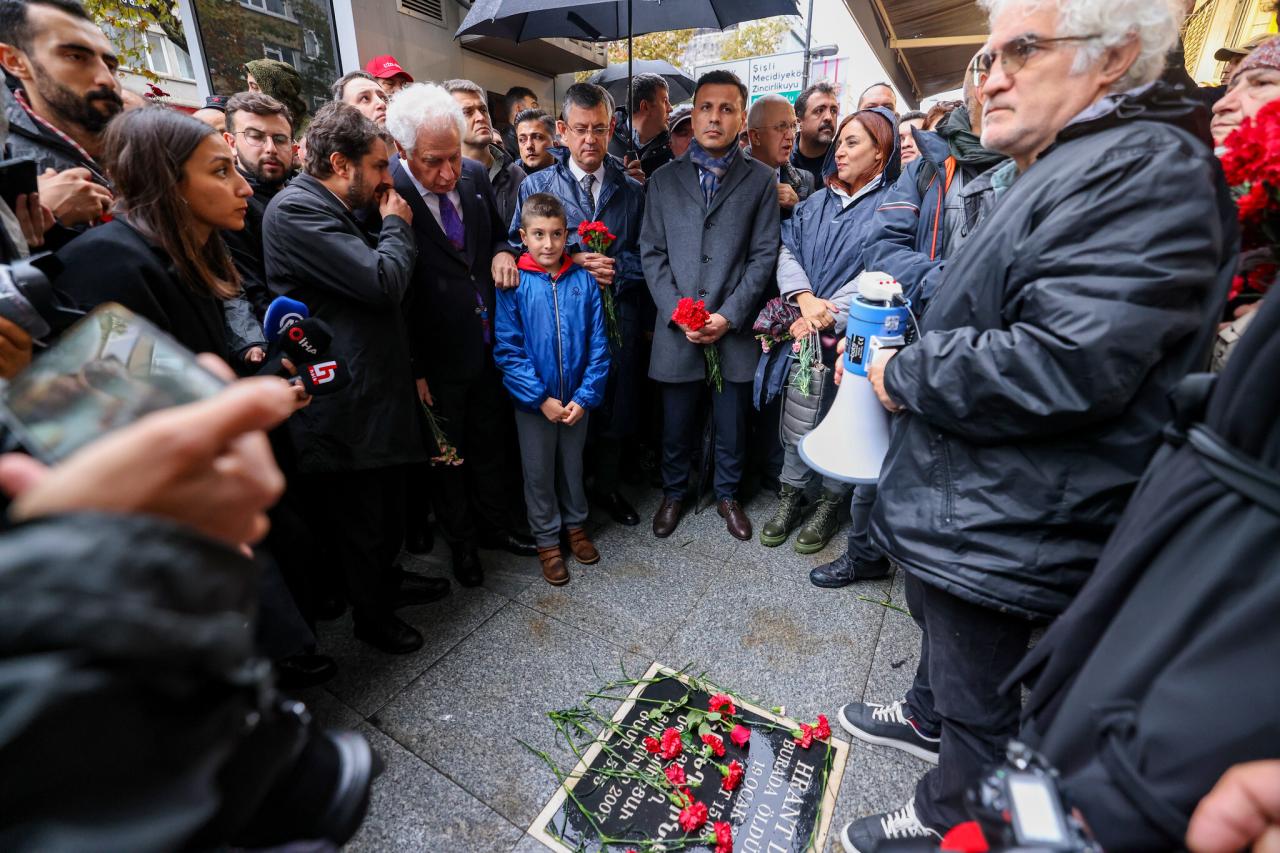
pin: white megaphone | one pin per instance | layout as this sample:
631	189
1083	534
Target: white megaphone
851	442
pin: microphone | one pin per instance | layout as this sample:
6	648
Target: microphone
324	377
282	313
306	341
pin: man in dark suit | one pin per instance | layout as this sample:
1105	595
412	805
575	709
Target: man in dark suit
353	446
462	255
710	233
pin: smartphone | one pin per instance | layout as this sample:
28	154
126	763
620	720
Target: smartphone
105	372
16	178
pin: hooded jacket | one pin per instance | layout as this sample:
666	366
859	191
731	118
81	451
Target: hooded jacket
550	338
908	239
282	81
1036	392
619	205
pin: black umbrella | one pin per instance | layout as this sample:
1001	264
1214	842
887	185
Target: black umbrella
617	78
611	20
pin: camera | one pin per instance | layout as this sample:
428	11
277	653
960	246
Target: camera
1019	807
27	297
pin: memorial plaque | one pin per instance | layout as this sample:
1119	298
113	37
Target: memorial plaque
783	804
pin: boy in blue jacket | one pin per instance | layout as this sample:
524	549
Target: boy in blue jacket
551	346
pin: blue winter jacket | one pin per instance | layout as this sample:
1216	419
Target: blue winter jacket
906	235
550	338
619	205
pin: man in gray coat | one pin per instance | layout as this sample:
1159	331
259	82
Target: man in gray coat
710	233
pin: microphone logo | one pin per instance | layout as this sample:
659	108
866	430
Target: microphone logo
323	372
299	337
289	320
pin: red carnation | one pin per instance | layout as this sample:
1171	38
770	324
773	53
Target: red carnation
732	775
724	837
804	737
740	735
671	745
675	774
721	703
822	731
693	816
651	745
716	743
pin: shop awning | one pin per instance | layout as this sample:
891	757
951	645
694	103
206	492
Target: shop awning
924	44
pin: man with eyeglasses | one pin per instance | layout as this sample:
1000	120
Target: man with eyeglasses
595	187
259	130
1037	390
771	126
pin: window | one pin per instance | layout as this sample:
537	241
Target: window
159	55
182	63
279	8
281	52
310	44
156	57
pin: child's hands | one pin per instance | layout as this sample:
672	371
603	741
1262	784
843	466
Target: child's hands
573	413
553	410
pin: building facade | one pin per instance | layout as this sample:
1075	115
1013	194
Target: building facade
1222	23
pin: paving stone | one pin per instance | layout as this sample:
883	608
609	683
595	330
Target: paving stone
464	716
782	643
414	808
636	596
897	651
367	677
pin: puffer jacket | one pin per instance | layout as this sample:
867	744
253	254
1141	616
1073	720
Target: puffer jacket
550	338
1037	391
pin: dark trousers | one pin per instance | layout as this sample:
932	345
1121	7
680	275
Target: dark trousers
474	497
861	548
681	425
613	424
361	522
965	653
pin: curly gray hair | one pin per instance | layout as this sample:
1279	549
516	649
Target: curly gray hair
1154	23
422	105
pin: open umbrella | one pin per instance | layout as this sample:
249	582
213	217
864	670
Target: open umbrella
617	78
611	20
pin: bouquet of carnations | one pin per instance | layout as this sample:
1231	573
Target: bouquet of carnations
446	453
1252	167
693	316
596	237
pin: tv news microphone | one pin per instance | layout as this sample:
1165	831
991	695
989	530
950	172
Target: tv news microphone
282	313
306	341
324	377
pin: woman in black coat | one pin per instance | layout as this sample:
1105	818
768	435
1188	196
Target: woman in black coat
162	256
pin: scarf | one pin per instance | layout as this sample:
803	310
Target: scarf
281	81
711	170
965	146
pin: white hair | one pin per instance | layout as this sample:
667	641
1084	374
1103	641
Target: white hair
423	105
1154	23
755	115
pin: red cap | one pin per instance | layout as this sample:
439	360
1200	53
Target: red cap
385	67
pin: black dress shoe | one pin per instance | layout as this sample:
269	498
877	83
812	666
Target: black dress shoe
420	540
512	543
415	589
389	634
618	508
466	567
666	518
844	570
301	671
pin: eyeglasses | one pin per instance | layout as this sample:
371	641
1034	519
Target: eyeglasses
256	138
1014	55
782	128
583	130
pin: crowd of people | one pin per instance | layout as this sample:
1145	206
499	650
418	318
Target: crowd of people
517	312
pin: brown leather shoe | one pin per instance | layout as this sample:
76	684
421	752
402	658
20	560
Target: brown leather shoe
666	518
584	551
735	519
554	570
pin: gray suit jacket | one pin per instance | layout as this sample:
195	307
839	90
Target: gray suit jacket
724	255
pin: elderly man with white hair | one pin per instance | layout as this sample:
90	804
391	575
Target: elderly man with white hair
462	254
771	126
1038	388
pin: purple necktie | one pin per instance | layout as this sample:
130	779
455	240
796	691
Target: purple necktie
451	222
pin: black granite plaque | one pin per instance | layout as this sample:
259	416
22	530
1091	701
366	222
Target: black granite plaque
783	804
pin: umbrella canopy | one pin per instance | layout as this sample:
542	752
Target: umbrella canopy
523	20
615	79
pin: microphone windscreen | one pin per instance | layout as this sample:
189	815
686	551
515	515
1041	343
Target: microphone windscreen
282	313
306	341
324	377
